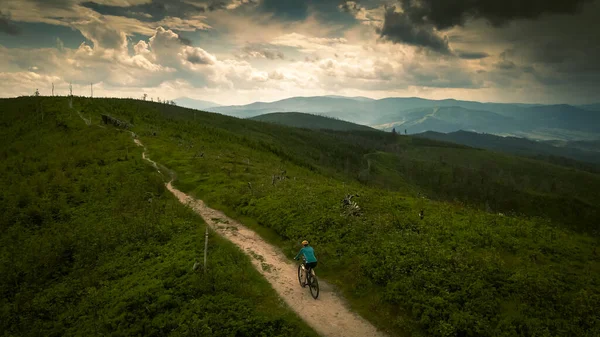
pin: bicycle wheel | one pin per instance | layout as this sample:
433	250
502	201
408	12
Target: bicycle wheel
300	276
314	287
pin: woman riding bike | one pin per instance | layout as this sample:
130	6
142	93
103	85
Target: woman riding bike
310	260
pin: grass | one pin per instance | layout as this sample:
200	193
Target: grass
444	275
92	243
451	273
310	121
463	270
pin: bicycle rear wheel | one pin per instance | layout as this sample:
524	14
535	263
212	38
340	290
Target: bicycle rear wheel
314	287
300	276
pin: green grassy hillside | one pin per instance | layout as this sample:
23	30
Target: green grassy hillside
463	270
310	121
91	243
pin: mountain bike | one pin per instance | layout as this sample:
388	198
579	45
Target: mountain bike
311	279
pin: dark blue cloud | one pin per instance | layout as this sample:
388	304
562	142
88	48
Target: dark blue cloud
159	9
294	10
444	14
325	11
42	35
399	28
7	26
471	55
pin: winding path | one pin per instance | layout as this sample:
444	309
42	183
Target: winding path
328	315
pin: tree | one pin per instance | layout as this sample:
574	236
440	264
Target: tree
394	131
145	96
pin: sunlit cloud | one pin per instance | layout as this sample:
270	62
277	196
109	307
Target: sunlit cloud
239	51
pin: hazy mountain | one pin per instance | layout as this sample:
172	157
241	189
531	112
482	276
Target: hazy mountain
591	107
587	145
309	121
564	122
356	98
514	145
359	110
191	103
363	110
562	116
344	108
445	119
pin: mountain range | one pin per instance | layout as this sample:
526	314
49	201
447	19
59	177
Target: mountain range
416	115
584	151
195	103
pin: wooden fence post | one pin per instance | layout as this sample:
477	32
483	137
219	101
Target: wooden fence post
205	246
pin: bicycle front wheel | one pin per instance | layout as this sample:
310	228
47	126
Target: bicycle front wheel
300	276
314	287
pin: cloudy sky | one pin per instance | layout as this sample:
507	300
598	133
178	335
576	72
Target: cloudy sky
241	51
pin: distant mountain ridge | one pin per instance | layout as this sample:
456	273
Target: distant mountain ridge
560	121
191	103
518	146
591	107
446	119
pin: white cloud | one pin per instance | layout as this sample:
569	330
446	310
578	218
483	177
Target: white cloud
308	44
120	3
197	56
26	82
163	59
370	17
141	48
187	25
282	58
237	3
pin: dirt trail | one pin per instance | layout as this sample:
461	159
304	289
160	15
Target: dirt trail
328	315
88	122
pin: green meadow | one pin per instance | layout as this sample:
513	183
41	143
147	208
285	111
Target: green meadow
92	242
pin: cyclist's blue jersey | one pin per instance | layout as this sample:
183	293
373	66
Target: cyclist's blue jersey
309	254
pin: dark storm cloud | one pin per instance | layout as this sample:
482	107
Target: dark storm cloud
7	26
62	4
325	11
159	9
564	46
505	65
288	9
349	6
566	54
467	55
445	14
414	25
398	28
184	40
216	5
